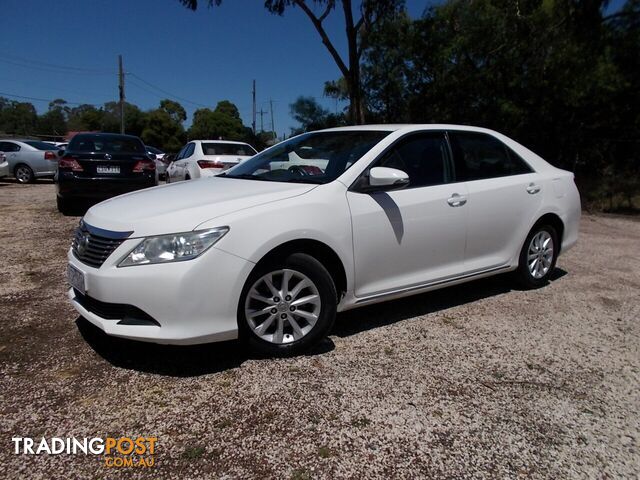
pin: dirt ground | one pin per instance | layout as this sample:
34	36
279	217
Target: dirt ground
475	381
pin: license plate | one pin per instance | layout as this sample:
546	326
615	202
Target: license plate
76	278
107	169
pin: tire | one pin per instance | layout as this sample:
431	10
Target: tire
23	173
535	272
272	332
187	177
65	206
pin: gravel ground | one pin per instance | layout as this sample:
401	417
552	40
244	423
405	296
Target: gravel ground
473	381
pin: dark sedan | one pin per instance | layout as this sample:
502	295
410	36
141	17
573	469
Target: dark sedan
97	166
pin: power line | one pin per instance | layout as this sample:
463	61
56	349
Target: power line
176	97
48	67
35	99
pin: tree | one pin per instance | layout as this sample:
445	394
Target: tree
221	123
370	13
19	118
85	118
311	116
163	126
134	118
176	111
228	108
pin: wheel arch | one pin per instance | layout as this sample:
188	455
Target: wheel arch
318	250
555	221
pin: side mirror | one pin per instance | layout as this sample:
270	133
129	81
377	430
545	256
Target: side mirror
385	179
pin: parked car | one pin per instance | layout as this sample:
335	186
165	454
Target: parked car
270	252
205	158
29	159
98	166
161	165
4	166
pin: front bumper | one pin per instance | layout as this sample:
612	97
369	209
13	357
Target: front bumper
193	302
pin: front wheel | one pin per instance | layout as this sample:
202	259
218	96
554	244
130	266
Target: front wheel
538	257
287	306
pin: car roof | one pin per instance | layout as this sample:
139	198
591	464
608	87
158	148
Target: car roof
221	141
408	127
105	134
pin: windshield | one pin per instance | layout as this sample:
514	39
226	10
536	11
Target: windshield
105	143
318	157
41	145
228	149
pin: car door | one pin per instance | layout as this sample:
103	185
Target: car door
187	158
503	196
11	151
173	170
410	237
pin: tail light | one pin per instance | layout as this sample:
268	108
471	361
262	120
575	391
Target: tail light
69	164
50	156
210	164
144	166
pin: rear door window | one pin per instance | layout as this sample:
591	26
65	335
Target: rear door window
479	155
189	150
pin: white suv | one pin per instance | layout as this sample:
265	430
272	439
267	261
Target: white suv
270	251
205	158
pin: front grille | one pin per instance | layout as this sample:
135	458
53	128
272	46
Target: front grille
93	249
127	314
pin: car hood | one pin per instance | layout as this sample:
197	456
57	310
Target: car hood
180	207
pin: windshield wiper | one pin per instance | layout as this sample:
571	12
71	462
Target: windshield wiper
245	176
315	181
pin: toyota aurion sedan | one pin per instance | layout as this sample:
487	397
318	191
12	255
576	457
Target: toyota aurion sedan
269	251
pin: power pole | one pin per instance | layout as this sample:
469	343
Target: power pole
121	88
273	127
262	112
253	124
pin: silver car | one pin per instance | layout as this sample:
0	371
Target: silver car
30	159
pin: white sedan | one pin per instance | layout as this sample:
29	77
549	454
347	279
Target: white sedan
270	251
205	158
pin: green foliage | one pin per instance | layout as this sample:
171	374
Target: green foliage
222	123
311	116
555	75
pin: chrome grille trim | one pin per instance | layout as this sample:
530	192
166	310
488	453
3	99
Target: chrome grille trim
93	246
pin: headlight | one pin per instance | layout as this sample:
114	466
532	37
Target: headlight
173	248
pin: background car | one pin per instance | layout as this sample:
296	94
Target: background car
205	158
161	165
97	166
4	166
30	159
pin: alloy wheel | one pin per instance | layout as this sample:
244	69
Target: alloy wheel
282	306
540	254
23	174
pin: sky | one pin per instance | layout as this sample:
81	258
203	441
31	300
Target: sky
69	49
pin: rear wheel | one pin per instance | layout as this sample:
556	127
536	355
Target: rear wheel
23	173
538	257
287	306
64	206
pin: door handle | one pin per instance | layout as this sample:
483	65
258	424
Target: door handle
532	188
457	200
